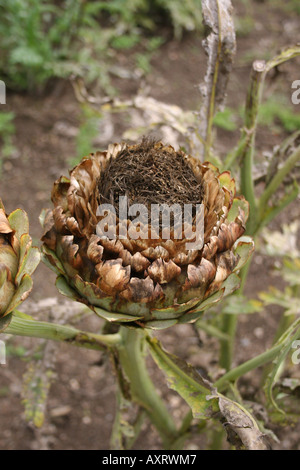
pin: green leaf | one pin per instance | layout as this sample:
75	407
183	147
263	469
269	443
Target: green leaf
126	41
26	56
205	401
284	299
184	379
291	271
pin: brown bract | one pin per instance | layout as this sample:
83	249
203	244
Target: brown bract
152	282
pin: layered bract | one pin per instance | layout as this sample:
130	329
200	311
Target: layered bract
18	260
151	283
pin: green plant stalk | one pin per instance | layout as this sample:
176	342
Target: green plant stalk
131	356
137	427
247	366
276	181
211	330
259	72
129	344
247	152
281	205
229	326
285	322
25	326
217	439
236	152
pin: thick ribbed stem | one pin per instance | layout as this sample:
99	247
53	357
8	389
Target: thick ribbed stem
131	355
25	326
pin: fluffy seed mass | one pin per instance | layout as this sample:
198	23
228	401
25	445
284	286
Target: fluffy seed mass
150	174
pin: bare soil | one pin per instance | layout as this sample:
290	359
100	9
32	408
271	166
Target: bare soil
81	403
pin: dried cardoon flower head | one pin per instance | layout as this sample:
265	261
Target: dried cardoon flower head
129	269
18	260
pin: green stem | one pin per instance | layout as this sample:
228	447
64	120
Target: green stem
132	360
285	323
211	330
249	132
247	366
217	439
271	213
25	326
229	326
277	180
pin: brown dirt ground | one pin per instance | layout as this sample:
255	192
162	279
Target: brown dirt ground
81	403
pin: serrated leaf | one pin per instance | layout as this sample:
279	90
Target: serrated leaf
284	299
